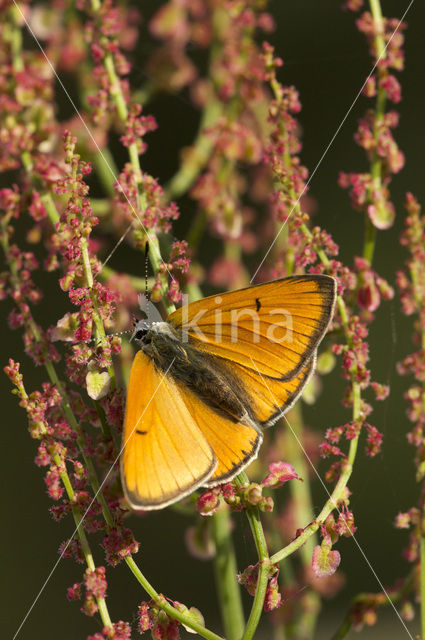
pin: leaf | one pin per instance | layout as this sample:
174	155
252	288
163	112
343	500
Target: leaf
98	384
325	560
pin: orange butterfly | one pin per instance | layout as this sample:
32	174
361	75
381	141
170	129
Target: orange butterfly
208	379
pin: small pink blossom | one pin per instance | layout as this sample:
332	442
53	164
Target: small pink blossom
280	473
208	502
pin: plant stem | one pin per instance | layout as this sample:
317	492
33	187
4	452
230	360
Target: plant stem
78	519
168	608
76	513
225	564
376	161
106	169
225	575
264	563
329	506
117	95
18	66
369	239
337	493
203	144
198	155
303	512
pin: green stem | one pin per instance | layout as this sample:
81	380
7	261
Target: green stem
18	66
117	95
225	565
336	496
15	40
225	574
198	155
106	429
106	169
343	629
168	608
375	8
303	512
81	443
376	161
196	230
369	239
76	513
264	563
78	519
300	491
330	505
46	197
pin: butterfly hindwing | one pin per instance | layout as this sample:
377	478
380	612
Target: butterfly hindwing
235	442
270	398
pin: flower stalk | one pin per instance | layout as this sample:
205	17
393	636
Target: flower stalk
225	573
264	563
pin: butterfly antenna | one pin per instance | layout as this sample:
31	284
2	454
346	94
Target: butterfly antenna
146	270
108	335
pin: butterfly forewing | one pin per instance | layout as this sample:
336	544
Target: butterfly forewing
272	329
165	455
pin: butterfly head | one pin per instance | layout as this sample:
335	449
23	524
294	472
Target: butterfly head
141	330
145	330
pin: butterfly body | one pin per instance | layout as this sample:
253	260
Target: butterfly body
206	381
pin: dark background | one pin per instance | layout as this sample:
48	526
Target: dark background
327	60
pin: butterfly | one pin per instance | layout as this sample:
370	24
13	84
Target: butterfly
207	381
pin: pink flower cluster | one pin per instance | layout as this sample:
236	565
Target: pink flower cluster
117	631
369	191
249	578
95	586
239	498
230	172
411	282
161	625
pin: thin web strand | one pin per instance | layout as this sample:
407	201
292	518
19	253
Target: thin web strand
111	253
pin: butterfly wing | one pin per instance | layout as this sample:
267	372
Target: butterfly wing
235	442
266	336
165	455
271	329
270	397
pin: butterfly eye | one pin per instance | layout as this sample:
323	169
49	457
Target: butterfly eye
140	334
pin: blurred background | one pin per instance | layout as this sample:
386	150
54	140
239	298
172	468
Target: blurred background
326	58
